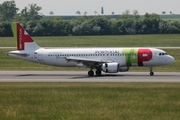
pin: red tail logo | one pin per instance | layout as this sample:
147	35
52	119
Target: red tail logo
23	37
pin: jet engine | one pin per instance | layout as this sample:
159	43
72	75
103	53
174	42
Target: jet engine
110	67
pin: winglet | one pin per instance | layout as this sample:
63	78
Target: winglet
22	38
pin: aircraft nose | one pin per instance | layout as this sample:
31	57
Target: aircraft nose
171	59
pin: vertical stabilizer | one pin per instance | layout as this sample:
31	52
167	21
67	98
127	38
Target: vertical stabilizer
22	38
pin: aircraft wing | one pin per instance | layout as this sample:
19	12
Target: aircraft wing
87	62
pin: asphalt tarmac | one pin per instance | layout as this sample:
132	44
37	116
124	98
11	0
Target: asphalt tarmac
73	76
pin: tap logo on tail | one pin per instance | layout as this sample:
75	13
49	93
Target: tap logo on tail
21	36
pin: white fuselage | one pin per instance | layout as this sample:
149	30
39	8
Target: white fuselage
123	56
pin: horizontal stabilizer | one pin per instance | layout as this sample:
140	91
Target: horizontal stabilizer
17	53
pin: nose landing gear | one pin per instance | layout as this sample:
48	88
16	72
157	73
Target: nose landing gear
151	71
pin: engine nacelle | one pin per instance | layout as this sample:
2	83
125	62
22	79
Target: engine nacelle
110	67
123	69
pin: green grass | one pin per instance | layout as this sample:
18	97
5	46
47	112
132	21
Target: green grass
102	41
90	101
170	17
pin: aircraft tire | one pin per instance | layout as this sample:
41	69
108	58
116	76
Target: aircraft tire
151	73
91	73
98	72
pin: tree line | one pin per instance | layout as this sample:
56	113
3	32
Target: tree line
37	25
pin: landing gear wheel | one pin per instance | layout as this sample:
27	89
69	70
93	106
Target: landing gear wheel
91	73
151	73
98	72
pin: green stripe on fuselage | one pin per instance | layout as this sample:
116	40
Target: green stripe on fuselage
131	56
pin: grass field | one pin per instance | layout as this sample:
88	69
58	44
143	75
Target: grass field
102	41
90	101
170	17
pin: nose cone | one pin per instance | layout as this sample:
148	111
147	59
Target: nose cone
171	59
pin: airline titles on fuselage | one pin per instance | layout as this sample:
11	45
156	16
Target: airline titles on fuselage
107	52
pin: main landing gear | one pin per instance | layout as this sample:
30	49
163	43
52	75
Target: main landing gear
91	73
98	72
151	71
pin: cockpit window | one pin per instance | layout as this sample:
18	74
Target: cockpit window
161	54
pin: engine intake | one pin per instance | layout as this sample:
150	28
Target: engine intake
110	67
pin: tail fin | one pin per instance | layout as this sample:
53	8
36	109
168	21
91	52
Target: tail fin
22	38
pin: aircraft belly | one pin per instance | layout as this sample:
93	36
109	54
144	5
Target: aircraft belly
152	63
149	64
64	63
155	62
121	62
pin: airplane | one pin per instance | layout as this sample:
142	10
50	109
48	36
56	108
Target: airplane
108	60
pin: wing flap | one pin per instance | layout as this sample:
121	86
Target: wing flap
80	60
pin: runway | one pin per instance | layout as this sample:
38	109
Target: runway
73	76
